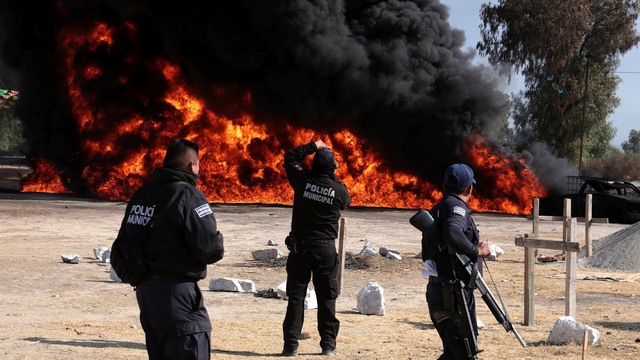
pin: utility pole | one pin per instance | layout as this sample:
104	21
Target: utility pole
584	111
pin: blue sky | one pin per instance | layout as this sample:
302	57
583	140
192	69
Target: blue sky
464	15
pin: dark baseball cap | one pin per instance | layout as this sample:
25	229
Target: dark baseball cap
458	176
323	161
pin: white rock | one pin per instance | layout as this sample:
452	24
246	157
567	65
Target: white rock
267	254
282	290
97	252
367	250
371	300
385	250
106	256
479	323
233	285
272	243
114	276
70	258
310	301
393	256
567	330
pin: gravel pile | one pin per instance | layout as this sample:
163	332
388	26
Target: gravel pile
617	251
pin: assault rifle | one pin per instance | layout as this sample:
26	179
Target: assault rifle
501	315
424	222
467	334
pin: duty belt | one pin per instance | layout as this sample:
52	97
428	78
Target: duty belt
318	242
167	278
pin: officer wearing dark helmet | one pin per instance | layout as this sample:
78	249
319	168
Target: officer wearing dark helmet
318	199
459	234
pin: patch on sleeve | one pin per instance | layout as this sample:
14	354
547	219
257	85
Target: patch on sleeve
459	210
203	210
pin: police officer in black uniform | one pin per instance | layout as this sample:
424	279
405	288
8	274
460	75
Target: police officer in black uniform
459	234
318	199
181	238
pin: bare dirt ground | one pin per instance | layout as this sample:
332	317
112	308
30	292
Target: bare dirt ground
53	310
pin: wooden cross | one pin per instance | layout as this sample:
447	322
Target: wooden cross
569	247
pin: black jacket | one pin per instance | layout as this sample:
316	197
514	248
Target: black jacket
318	198
459	232
180	231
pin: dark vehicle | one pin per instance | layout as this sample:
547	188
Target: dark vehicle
617	201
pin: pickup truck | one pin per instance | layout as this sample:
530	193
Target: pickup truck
618	201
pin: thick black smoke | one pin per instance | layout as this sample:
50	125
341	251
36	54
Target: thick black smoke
393	72
552	171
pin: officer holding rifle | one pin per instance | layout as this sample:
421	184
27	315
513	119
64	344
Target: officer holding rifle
450	288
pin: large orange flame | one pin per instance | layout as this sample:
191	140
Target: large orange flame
45	179
515	186
241	159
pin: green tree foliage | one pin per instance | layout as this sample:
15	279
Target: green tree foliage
633	145
558	46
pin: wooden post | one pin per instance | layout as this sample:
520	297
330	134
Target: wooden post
587	223
529	271
535	214
529	287
571	264
585	342
566	218
341	253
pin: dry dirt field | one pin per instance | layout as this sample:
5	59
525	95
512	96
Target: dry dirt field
53	310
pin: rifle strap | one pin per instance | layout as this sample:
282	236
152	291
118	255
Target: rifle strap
506	315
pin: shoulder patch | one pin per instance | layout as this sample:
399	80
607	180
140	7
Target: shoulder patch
203	210
459	210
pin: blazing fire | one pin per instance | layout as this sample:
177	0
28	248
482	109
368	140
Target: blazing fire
516	184
45	179
241	159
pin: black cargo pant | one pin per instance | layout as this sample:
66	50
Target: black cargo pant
322	263
175	321
453	346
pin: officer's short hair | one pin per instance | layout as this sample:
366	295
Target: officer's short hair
180	154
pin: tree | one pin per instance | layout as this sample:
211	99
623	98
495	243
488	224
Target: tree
615	165
567	52
556	114
633	145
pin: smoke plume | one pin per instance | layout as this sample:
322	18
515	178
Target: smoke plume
393	72
550	170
